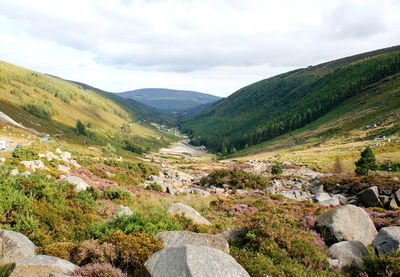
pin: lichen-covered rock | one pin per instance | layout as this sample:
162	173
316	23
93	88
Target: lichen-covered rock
387	240
193	261
349	253
14	246
78	182
41	266
346	223
187	211
180	238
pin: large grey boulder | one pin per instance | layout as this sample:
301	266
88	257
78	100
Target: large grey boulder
193	261
14	246
369	197
33	165
349	253
187	211
387	240
180	238
346	223
41	266
78	182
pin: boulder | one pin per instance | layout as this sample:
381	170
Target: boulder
317	189
78	182
59	275
369	197
124	211
393	204
330	202
349	253
66	155
397	195
51	156
181	238
41	266
58	151
63	168
14	246
346	223
14	172
156	179
193	261
387	240
75	164
33	165
198	191
233	234
187	211
322	196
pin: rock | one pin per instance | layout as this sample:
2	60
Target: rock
193	261
60	275
41	266
78	182
317	189
58	151
33	165
14	172
322	196
393	204
156	179
346	223
187	211
198	191
14	246
387	240
233	235
295	195
384	200
124	211
51	156
333	263
397	195
181	238
2	160
26	173
330	202
65	155
349	253
63	168
369	197
77	165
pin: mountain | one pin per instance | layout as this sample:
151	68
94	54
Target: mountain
52	105
168	99
276	106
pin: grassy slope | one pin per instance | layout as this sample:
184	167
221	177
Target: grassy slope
271	107
19	86
340	132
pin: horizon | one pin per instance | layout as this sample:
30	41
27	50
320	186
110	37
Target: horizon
120	46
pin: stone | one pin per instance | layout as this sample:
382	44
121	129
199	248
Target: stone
233	235
187	211
26	173
393	204
387	240
75	164
397	195
65	155
322	196
349	253
51	156
2	160
14	246
346	223
317	189
78	182
193	261
60	275
198	191
171	190
384	200
33	165
181	238
155	179
123	211
59	151
14	172
41	266
334	201
63	168
369	197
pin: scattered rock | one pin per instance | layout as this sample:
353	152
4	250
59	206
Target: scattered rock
77	165
322	196
78	182
330	202
14	172
124	211
187	211
317	189
181	238
58	151
63	168
387	240
66	155
14	246
33	165
369	197
349	253
393	204
346	223
41	266
193	261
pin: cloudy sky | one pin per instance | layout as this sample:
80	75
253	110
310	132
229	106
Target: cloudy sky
214	46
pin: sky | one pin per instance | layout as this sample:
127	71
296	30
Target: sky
211	46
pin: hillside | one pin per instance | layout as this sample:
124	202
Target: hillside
52	105
275	106
170	100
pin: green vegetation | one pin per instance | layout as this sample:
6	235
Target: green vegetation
275	106
80	129
155	187
41	108
276	169
234	179
25	153
366	163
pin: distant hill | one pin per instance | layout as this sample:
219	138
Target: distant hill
168	99
276	106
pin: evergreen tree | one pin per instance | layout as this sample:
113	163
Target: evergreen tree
80	129
366	163
276	169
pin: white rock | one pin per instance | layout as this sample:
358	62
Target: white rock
66	155
78	182
59	151
124	211
63	168
187	211
14	246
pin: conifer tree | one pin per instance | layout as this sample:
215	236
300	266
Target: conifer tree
366	162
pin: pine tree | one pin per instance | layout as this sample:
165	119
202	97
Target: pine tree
366	163
80	129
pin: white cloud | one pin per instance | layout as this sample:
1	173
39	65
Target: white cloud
215	46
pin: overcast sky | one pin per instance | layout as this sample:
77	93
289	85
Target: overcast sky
213	46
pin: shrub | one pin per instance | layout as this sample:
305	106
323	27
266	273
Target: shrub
99	270
235	179
366	163
25	153
117	193
62	250
41	108
276	169
80	129
134	249
382	265
92	251
109	150
155	187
